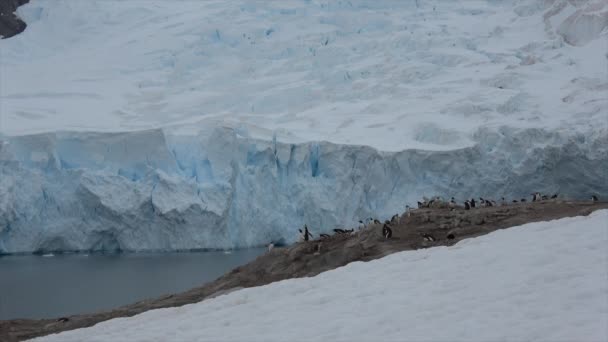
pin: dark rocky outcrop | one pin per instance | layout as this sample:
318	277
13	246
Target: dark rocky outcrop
11	24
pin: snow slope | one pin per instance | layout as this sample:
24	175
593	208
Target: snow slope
232	123
428	73
537	282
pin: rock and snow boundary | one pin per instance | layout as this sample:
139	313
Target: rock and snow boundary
543	281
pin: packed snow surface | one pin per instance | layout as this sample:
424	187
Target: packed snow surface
428	74
541	281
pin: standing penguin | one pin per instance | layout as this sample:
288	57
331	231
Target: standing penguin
387	232
594	198
472	203
407	210
270	246
307	234
467	205
452	204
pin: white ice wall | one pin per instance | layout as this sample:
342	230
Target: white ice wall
152	190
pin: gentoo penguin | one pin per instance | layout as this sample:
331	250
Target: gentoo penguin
472	203
428	237
544	197
339	231
523	200
503	201
301	235
594	198
554	196
450	236
376	221
490	203
536	197
324	236
467	205
482	202
394	218
361	224
63	319
452	203
515	201
407	210
387	232
270	246
420	205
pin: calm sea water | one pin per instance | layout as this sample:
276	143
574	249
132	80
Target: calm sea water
43	286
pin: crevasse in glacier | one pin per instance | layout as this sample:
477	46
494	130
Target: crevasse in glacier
153	190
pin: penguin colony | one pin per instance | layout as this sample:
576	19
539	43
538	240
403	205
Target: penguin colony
435	202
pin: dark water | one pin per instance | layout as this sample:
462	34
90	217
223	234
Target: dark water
41	287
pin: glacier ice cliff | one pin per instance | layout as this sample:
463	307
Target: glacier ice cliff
155	190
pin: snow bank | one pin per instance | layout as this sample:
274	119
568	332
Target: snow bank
153	190
428	73
542	281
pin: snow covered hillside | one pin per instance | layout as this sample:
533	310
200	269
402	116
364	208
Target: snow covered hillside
231	123
537	282
428	73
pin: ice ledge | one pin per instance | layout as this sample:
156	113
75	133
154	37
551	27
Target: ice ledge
152	190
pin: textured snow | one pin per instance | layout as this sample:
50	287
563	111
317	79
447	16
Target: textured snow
162	125
429	74
542	281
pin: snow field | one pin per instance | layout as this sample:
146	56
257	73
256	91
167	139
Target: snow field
428	73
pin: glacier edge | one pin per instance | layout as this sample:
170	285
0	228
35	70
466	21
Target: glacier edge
155	190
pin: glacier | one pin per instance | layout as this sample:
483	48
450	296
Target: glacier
177	125
221	189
